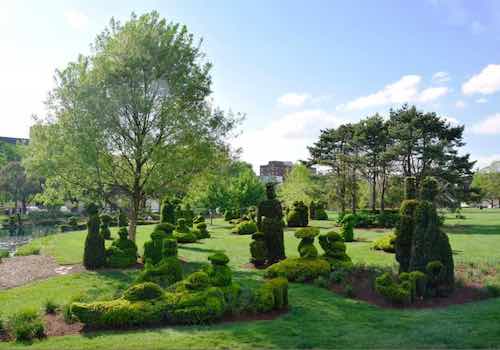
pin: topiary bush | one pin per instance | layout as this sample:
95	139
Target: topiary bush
317	211
201	230
402	290
26	326
105	224
272	295
306	246
385	243
94	255
347	228
299	269
166	228
299	215
231	214
218	272
258	250
122	219
162	265
183	233
123	251
335	249
198	219
167	212
143	291
246	228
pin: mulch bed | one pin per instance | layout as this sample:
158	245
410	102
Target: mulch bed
362	283
20	270
55	326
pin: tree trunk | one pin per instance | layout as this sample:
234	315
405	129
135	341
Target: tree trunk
353	192
134	212
374	192
382	194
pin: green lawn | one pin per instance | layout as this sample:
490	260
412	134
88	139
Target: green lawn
318	318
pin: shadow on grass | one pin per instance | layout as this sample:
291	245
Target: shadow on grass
473	229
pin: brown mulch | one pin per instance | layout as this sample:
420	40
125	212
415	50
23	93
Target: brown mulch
362	283
56	326
20	270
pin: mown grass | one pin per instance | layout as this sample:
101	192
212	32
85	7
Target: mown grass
318	318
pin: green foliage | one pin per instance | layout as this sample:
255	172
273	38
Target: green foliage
246	228
167	272
26	326
231	214
404	234
272	295
430	189
50	307
123	251
218	272
167	212
258	250
299	185
122	219
183	233
306	246
299	269
94	255
143	291
307	233
28	249
410	188
335	249
201	230
4	254
186	213
403	290
166	228
298	215
385	243
317	210
347	228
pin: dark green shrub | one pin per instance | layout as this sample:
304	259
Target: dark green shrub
50	307
306	246
258	250
272	295
123	251
231	214
26	326
183	233
299	215
143	291
165	227
198	280
246	228
4	254
385	243
198	219
335	249
167	212
410	188
167	272
200	230
397	293
219	273
94	255
73	221
317	211
347	228
404	234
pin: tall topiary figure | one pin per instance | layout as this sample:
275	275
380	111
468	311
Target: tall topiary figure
94	254
404	232
306	246
298	216
105	223
335	249
317	211
167	213
270	223
123	251
430	244
347	228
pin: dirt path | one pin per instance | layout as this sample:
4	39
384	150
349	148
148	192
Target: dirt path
21	270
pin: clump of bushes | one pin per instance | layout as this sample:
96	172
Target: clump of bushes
50	307
94	255
246	227
317	210
3	254
183	233
385	243
369	219
231	214
167	212
122	219
202	297
123	251
258	250
347	228
335	250
306	246
25	326
200	230
298	216
404	289
28	249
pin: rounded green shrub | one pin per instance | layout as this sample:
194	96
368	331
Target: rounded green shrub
182	232
200	230
335	250
26	326
123	251
167	272
385	243
299	269
197	281
347	228
258	250
143	291
298	215
246	228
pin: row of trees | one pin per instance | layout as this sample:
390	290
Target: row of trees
409	143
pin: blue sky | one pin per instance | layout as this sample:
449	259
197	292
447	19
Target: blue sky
293	67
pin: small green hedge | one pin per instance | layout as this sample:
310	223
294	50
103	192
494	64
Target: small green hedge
246	228
299	269
386	243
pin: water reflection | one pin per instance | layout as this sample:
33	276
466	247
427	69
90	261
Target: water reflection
12	238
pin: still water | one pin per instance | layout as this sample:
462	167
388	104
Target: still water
10	239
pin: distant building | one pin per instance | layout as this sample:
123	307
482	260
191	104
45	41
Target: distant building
275	171
14	140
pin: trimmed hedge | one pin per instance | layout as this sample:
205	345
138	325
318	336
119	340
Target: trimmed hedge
123	251
183	233
386	243
299	269
246	228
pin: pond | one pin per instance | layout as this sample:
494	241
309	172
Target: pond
10	239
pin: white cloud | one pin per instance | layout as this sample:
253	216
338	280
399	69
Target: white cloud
441	77
76	19
404	90
433	93
488	126
485	160
460	104
486	82
293	99
482	100
285	138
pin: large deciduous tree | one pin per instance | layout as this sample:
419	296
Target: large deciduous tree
133	116
16	185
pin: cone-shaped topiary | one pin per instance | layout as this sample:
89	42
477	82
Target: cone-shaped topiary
347	228
94	255
299	215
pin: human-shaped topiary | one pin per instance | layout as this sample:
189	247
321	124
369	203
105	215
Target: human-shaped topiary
270	223
335	249
167	270
306	246
183	233
153	249
298	216
201	231
258	250
347	228
123	251
167	212
429	242
404	231
94	255
317	211
105	223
